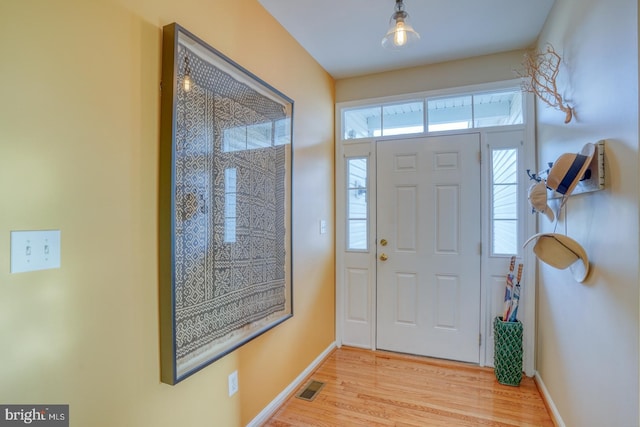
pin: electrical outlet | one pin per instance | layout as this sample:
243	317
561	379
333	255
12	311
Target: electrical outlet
233	383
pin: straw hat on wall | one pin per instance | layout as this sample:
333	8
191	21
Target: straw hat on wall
561	251
569	169
538	199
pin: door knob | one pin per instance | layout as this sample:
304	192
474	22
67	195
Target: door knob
383	242
383	257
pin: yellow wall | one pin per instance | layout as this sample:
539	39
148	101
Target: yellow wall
79	135
588	332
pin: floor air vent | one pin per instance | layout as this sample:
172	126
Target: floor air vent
310	391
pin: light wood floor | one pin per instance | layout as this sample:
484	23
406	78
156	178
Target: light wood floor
367	388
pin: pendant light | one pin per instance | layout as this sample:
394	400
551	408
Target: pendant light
400	32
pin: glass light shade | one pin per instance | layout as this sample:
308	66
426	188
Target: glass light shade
400	32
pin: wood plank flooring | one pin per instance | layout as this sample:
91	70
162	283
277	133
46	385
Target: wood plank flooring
367	388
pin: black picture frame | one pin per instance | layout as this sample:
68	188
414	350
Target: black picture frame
226	162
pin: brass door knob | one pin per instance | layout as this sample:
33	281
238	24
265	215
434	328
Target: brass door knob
383	242
383	257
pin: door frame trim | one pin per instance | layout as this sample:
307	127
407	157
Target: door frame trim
367	261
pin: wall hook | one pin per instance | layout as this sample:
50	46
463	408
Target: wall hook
539	176
533	176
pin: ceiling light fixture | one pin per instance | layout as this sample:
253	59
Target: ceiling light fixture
400	32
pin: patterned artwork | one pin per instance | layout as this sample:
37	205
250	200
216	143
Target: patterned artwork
231	207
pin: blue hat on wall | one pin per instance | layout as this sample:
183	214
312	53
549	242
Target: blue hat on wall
569	169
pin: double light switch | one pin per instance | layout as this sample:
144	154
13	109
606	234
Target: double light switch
35	250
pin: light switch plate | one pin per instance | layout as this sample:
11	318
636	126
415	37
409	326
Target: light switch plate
35	250
233	383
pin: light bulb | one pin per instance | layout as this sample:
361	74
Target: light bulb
400	36
186	83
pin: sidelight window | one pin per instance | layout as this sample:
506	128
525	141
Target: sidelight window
504	201
357	204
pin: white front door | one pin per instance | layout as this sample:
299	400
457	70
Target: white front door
428	246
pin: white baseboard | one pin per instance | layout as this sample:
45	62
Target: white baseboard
557	419
272	407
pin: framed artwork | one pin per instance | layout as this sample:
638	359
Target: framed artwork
225	205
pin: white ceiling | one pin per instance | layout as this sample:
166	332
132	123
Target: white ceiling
344	36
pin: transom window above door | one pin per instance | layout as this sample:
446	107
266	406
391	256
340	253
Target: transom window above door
468	111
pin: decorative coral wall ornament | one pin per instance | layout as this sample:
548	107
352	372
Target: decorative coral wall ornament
539	77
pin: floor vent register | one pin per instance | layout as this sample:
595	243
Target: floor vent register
310	391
